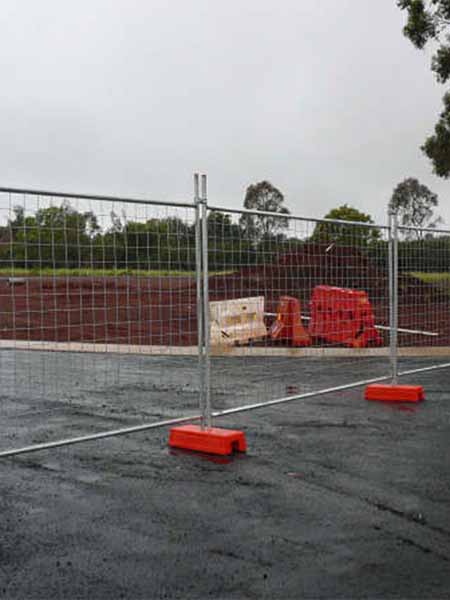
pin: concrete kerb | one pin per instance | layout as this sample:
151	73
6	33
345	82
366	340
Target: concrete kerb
96	347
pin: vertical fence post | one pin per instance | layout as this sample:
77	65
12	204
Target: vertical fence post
206	324
393	294
199	287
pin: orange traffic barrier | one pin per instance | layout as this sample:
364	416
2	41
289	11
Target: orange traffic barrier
343	316
288	324
210	441
394	393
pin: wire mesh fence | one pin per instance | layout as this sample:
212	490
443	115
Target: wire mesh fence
97	296
290	297
423	281
119	313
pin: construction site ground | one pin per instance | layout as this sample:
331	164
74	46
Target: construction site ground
161	310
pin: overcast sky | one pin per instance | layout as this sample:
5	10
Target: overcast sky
326	99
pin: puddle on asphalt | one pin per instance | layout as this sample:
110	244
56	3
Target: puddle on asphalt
410	409
212	458
81	476
291	390
295	475
88	477
397	407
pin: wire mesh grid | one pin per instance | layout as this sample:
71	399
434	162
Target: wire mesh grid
98	319
424	294
100	297
292	297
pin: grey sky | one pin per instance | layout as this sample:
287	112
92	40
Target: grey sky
326	99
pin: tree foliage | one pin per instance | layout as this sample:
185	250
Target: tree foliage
414	203
52	234
63	238
221	227
437	146
263	196
346	234
428	21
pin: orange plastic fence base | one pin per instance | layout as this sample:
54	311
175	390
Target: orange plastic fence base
210	441
394	393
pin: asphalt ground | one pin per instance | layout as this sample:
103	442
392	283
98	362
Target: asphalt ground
336	497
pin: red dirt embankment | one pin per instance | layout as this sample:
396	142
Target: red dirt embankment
162	310
122	310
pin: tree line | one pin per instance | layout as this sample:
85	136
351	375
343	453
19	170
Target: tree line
62	237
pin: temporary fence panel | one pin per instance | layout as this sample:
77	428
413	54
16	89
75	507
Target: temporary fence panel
423	298
121	314
98	319
323	287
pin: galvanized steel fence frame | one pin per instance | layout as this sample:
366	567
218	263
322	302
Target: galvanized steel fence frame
51	196
206	414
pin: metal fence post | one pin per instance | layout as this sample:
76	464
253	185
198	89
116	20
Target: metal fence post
199	286
393	294
206	324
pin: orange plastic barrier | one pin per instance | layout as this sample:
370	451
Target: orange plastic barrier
342	316
288	324
210	441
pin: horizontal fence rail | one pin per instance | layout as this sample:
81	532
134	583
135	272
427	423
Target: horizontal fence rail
85	196
291	217
215	414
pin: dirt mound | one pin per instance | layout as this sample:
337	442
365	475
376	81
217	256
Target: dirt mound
297	273
161	310
421	306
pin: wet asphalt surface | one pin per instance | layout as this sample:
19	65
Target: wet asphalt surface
336	498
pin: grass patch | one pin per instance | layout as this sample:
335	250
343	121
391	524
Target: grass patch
49	272
432	277
439	280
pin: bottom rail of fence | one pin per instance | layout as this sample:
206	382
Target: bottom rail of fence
192	418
